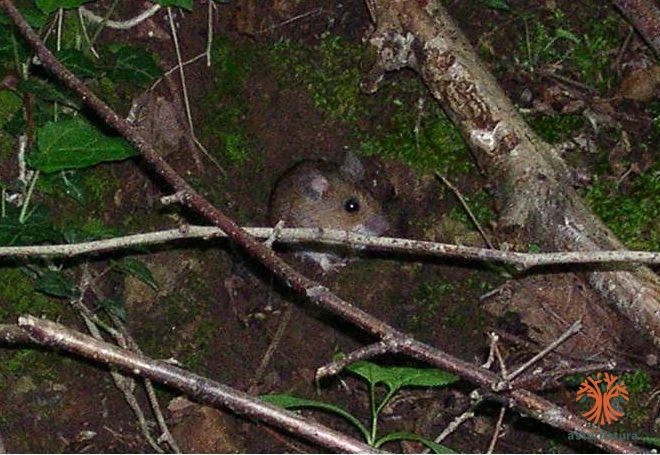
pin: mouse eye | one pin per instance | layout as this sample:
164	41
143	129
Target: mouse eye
352	205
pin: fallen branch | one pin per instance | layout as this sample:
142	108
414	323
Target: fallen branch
532	181
644	15
347	240
48	333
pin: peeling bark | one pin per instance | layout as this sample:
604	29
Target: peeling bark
532	181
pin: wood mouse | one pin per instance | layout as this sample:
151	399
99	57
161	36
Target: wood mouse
317	193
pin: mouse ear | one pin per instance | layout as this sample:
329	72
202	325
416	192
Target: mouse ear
353	167
318	185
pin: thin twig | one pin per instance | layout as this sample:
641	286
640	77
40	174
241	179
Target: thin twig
567	81
120	25
622	50
551	379
124	339
275	342
209	33
365	352
125	384
467	209
83	27
572	330
458	420
184	91
313	12
497	431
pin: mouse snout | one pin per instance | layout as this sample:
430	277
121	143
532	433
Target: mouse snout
376	225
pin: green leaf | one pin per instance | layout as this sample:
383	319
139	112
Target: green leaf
32	15
132	64
137	269
75	143
10	103
36	228
397	377
406	435
49	6
566	34
289	401
77	62
185	4
115	307
48	91
501	5
54	283
652	441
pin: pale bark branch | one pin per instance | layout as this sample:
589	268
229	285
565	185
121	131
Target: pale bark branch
532	181
347	240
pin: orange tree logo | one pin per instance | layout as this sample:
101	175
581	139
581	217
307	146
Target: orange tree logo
608	395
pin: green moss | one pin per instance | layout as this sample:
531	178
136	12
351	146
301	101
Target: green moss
633	217
638	408
428	299
587	55
556	128
226	105
199	344
18	297
637	381
328	71
428	143
422	138
479	203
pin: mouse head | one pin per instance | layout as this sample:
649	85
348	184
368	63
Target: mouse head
333	198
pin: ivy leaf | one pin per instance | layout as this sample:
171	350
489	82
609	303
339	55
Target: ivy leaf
137	269
398	377
36	228
77	62
115	307
132	64
48	91
49	6
54	283
75	143
185	4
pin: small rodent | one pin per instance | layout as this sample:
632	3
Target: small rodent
316	193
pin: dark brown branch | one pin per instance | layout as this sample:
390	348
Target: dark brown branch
365	352
644	15
48	333
529	403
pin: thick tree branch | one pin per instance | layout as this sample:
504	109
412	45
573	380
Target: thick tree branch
533	183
